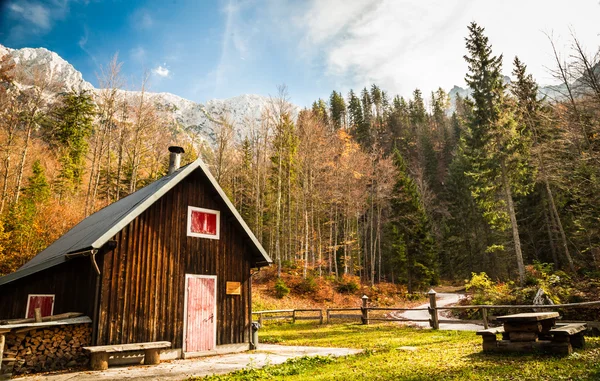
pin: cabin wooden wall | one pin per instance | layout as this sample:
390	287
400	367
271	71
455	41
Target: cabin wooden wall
73	284
143	279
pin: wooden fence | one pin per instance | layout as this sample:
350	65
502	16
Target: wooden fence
297	314
434	320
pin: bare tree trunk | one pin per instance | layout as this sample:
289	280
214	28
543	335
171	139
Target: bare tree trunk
23	159
5	182
558	222
379	242
306	248
330	251
335	242
372	240
513	221
119	164
88	195
278	217
549	228
359	250
8	147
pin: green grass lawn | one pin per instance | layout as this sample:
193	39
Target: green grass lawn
438	355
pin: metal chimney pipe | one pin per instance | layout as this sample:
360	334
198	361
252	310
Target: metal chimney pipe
175	158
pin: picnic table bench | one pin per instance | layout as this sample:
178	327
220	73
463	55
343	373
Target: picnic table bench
572	333
533	331
100	354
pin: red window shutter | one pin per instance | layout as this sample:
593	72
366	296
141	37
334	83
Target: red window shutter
44	302
204	223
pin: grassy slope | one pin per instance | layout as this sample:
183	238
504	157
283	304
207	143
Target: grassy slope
439	355
325	292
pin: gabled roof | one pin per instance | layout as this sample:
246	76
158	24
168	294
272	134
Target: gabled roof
96	230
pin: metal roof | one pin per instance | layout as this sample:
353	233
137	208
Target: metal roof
94	231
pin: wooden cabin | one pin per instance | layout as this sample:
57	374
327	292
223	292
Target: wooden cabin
170	262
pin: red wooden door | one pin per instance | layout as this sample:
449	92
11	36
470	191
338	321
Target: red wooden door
201	311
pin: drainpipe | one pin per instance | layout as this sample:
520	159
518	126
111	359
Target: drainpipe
175	158
96	298
110	245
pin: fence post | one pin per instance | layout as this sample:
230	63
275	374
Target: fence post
328	316
434	322
365	311
293	316
321	317
260	319
484	313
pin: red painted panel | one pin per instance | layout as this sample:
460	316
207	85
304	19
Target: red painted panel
43	302
201	319
204	223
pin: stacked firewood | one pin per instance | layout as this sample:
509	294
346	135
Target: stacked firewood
29	350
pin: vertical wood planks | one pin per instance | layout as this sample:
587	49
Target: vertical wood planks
143	280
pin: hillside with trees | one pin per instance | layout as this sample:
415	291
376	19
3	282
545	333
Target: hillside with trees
366	184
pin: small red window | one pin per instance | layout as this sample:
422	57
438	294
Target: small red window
203	223
44	302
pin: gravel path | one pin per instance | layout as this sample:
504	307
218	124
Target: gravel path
443	299
175	370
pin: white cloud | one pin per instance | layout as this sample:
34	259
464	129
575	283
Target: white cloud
35	17
138	54
161	71
141	19
404	44
31	12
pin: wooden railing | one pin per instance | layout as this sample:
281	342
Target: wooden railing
434	320
295	314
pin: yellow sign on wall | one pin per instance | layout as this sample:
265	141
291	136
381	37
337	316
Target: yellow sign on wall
234	288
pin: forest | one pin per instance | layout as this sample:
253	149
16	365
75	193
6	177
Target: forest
403	190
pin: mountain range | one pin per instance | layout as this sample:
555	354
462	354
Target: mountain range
190	115
196	117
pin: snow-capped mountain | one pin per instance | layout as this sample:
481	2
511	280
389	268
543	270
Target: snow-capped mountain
198	117
41	59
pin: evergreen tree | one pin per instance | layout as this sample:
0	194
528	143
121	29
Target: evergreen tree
416	107
38	189
411	231
355	114
363	132
70	128
319	109
531	116
496	151
337	110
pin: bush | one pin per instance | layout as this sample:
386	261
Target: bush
348	285
281	290
308	285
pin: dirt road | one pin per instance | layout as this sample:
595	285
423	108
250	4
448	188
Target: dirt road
443	299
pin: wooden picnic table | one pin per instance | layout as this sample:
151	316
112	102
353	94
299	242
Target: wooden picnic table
533	331
530	326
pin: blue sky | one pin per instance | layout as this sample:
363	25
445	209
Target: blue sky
218	49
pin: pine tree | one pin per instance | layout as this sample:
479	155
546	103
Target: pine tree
496	151
70	128
530	117
416	107
411	230
38	189
319	109
337	110
355	114
363	133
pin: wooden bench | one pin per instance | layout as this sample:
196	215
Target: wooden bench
489	337
100	354
570	333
